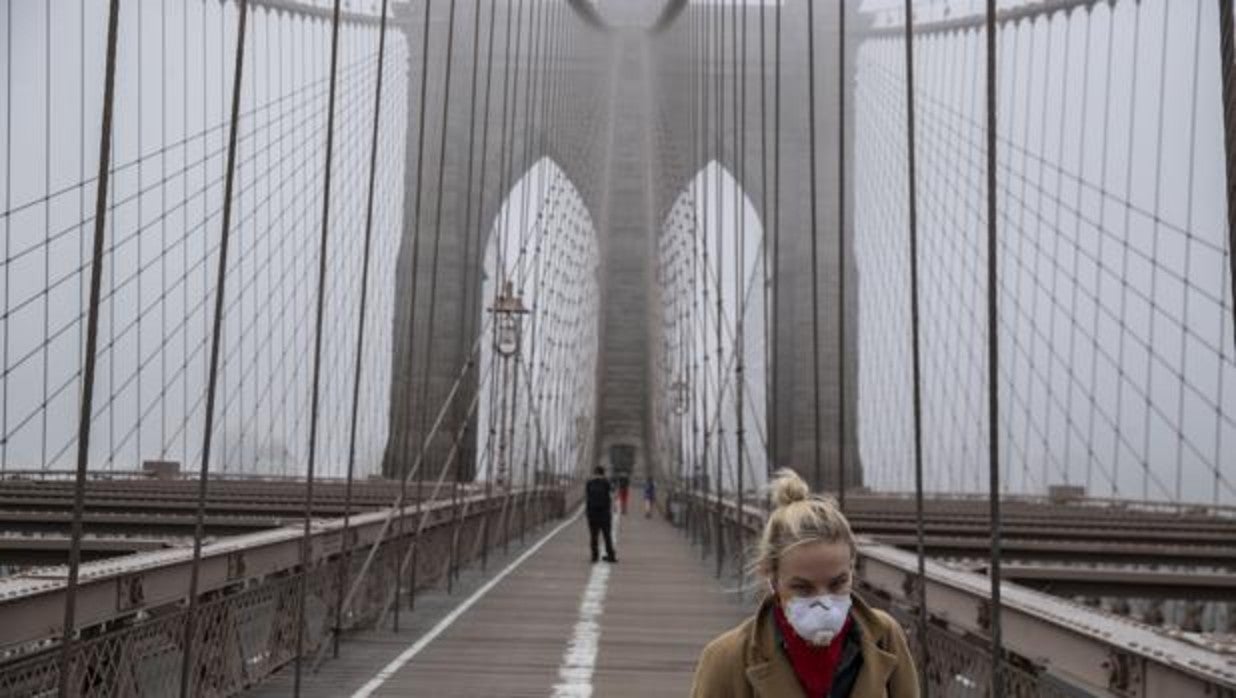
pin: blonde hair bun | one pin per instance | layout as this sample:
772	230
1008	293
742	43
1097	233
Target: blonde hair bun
798	517
788	487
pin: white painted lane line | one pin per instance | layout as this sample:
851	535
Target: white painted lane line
391	669
580	658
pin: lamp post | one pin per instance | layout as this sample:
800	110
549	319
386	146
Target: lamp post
509	312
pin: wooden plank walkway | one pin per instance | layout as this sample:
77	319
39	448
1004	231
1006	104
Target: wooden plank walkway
532	633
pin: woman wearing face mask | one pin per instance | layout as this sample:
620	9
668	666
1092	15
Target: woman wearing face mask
812	636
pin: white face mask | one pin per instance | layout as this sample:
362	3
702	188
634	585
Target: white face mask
818	619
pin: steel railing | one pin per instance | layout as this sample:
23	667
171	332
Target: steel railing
133	610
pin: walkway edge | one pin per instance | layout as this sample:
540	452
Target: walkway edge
407	655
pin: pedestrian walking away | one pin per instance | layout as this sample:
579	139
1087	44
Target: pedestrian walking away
599	496
650	497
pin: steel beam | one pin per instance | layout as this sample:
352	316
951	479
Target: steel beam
1071	580
1084	645
1099	552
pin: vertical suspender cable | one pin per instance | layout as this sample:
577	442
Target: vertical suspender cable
510	406
1227	58
480	258
433	285
165	215
411	345
466	282
216	339
692	452
532	80
720	293
419	405
699	192
841	251
346	560
916	356
699	255
47	198
768	339
549	58
817	481
497	461
92	340
8	224
993	375
740	305
685	484
305	562
710	127
697	183
773	427
552	188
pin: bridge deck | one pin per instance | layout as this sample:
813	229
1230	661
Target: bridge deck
528	635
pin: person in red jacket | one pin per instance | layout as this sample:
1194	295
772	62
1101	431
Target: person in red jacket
624	493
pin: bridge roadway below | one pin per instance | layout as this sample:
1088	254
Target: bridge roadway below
522	628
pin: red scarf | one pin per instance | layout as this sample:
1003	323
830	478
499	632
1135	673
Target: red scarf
813	665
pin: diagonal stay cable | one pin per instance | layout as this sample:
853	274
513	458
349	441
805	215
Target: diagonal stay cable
435	427
409	555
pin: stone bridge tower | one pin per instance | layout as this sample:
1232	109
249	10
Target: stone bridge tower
625	134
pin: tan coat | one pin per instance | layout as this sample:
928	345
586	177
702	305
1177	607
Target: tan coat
747	662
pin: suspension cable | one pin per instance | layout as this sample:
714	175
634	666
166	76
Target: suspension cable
1227	68
924	658
815	234
412	305
427	440
305	547
215	343
409	558
719	141
92	337
398	504
841	252
767	262
466	282
738	47
993	375
346	562
480	261
773	424
536	34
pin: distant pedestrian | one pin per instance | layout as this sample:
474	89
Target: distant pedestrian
599	496
624	493
650	497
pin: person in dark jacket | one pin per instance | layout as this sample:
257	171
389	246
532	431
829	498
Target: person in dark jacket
598	506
